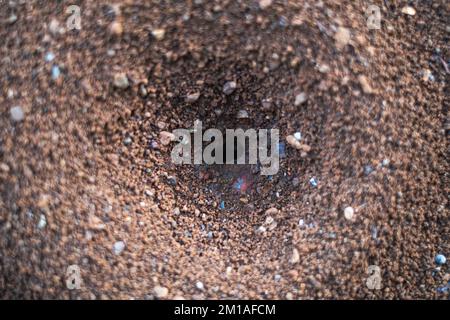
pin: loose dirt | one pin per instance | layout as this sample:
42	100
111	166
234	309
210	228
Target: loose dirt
86	181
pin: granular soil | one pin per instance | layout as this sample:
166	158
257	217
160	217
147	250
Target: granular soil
86	181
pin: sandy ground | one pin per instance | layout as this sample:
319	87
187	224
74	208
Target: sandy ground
85	179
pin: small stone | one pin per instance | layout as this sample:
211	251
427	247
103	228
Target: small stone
313	281
242	114
368	170
143	91
171	180
127	141
12	18
289	296
300	99
301	222
271	211
374	232
120	81
166	137
263	4
324	68
348	213
161	124
296	144
56	72
54	27
10	93
116	28
283	22
261	229
17	113
191	98
273	225
342	37
297	20
49	56
160	292
42	222
88	235
229	87
158	33
96	223
409	10
269	220
295	258
427	75
118	247
440	259
266	104
364	82
199	285
4	167
298	136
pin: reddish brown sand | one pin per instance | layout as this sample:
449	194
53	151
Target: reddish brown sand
71	159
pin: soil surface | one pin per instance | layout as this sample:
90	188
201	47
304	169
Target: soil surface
87	180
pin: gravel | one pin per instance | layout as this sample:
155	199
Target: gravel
17	113
118	247
229	87
366	101
161	292
348	213
440	259
300	99
120	81
191	98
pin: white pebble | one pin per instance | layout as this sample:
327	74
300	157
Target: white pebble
409	11
160	292
158	33
42	222
261	229
199	285
295	256
229	87
17	113
121	81
263	4
300	99
348	213
298	136
269	220
118	247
